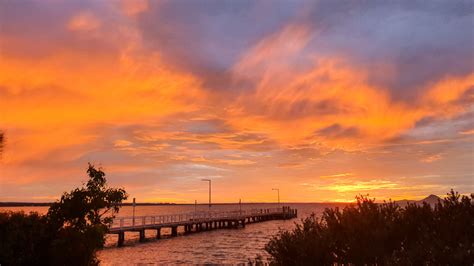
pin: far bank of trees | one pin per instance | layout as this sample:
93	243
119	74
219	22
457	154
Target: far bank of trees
69	234
368	233
2	140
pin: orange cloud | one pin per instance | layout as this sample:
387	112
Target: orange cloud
328	100
432	158
113	99
84	21
134	7
467	132
65	95
338	175
450	95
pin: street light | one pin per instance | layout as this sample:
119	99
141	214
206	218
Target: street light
209	180
278	190
240	206
133	222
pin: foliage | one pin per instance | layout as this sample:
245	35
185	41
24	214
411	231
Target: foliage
87	206
368	233
22	238
71	232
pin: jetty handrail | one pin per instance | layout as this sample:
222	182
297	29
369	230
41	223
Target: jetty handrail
156	220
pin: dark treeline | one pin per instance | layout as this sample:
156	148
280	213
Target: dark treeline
25	204
46	204
69	234
368	233
2	140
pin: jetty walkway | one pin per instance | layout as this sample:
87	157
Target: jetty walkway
196	221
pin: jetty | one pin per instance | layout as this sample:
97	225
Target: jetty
196	221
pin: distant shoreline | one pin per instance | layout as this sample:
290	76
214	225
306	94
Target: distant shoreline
46	204
431	199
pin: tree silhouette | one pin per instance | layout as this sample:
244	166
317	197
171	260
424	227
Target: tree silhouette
71	232
89	205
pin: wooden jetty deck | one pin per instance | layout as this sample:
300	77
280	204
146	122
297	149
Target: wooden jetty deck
196	221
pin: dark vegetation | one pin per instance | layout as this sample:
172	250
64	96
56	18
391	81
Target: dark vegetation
47	204
2	140
69	234
25	204
368	233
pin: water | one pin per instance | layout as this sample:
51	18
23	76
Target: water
221	246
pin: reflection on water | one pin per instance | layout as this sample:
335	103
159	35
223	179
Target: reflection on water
218	246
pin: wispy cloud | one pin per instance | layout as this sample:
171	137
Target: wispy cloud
338	175
467	132
432	158
84	21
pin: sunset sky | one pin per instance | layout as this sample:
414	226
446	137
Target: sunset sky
324	100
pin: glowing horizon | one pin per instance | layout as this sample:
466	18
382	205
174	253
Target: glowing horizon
323	100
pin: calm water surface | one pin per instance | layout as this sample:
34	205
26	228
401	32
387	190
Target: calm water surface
229	246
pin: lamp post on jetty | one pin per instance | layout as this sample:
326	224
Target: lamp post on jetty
133	222
278	191
208	180
240	206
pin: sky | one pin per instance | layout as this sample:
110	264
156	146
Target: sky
324	100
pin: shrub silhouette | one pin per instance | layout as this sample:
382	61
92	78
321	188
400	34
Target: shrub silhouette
367	233
71	232
23	237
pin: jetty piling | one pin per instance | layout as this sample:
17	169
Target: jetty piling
196	222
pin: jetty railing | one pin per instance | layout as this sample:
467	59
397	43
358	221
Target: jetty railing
155	220
195	221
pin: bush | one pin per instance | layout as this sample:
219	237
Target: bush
23	237
71	232
368	233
